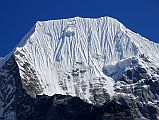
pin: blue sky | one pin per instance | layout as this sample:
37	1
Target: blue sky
18	16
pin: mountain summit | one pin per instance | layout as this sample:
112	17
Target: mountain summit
98	61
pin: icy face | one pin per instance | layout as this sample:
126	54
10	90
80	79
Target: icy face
68	56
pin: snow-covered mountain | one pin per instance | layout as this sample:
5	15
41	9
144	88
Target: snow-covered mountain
97	60
0	59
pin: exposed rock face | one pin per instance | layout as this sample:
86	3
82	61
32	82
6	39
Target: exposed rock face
80	69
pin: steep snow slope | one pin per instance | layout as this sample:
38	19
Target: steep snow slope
68	56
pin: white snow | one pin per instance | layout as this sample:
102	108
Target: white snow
68	55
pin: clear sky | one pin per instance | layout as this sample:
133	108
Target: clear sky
18	16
